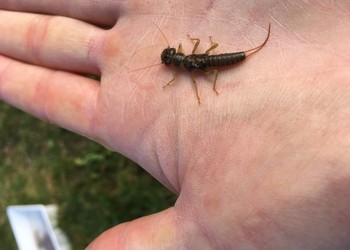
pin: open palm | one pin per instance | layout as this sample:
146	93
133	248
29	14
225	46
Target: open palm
260	166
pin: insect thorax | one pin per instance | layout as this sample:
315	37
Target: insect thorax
177	59
196	62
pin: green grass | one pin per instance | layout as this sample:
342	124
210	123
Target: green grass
94	188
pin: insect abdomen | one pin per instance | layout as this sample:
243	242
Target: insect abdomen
225	59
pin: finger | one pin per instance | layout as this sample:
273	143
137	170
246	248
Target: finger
157	231
56	42
61	98
95	11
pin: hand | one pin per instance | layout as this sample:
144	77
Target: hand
264	165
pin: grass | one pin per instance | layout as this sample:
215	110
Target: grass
94	188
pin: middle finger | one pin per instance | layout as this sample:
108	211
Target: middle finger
50	41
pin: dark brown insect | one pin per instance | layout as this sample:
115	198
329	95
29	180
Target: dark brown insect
202	62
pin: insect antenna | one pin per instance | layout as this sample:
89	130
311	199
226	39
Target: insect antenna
157	63
162	34
256	49
146	67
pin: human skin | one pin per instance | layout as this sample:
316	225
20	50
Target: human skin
263	165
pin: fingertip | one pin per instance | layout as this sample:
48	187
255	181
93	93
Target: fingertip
150	232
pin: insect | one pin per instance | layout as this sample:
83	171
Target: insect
202	62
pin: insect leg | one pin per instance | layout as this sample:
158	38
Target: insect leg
215	71
179	49
195	86
172	80
195	45
212	46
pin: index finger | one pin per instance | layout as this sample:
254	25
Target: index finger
62	98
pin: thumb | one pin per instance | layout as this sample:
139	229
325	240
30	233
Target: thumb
157	231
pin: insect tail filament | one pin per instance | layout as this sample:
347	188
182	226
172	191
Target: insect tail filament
256	49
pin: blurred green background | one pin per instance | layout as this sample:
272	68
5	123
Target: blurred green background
94	188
